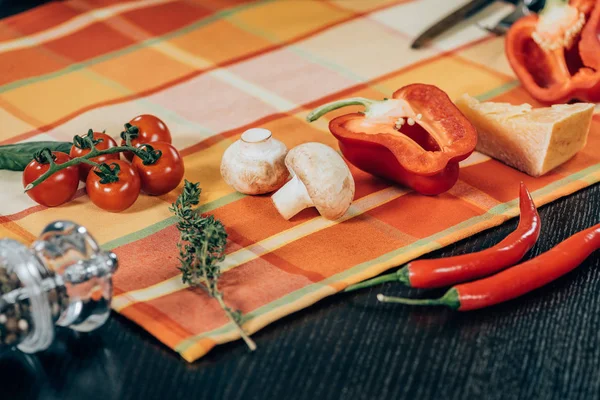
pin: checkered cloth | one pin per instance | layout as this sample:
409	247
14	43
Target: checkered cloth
213	68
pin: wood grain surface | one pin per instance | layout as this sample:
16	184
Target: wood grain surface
541	346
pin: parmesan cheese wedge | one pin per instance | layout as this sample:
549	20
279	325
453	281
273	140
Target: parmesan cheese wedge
534	141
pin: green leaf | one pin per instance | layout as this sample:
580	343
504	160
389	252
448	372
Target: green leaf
15	157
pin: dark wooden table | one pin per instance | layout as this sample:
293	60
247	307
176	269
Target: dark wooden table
545	345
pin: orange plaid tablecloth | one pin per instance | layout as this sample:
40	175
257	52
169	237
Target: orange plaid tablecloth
213	68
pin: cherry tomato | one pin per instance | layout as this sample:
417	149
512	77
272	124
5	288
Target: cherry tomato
149	129
59	188
102	142
164	175
115	196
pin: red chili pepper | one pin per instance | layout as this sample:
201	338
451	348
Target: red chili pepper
427	274
518	280
556	54
416	138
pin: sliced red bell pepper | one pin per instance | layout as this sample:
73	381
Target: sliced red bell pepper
589	45
416	138
556	54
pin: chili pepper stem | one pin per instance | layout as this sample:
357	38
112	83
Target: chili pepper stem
450	299
399	276
249	342
334	105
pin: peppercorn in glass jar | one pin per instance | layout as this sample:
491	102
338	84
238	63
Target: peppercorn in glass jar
63	279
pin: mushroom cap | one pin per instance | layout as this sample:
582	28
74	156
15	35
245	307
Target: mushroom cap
255	163
325	175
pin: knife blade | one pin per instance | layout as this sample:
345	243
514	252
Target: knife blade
523	8
505	23
449	21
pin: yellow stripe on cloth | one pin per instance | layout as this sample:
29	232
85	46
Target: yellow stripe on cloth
224	75
265	246
268	97
76	24
201	346
198	345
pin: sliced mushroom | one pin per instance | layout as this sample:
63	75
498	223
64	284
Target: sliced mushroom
255	164
320	178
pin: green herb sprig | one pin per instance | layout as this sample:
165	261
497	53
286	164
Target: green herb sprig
202	241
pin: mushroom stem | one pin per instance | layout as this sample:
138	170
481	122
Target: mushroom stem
291	198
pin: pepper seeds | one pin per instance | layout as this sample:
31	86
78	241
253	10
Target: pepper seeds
15	311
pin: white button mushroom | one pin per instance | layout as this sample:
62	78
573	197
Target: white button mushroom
255	164
320	178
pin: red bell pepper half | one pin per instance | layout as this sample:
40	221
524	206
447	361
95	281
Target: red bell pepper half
556	54
416	138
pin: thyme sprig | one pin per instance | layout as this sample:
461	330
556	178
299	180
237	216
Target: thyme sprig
202	241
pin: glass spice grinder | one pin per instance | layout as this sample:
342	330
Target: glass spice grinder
62	279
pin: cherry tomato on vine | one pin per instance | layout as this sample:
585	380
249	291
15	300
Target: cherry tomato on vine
102	142
116	188
59	188
164	175
144	129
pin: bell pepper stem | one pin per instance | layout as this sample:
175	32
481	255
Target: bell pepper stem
450	299
399	276
334	105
